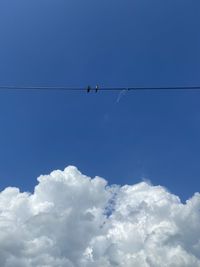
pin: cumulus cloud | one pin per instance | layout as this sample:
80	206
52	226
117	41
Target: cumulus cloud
72	220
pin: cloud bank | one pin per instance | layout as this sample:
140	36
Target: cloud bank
72	220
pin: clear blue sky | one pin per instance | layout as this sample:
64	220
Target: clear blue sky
155	135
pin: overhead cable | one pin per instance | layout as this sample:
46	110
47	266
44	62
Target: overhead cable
96	88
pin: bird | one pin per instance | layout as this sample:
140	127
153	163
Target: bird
88	88
96	88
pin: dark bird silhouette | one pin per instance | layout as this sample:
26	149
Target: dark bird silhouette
89	88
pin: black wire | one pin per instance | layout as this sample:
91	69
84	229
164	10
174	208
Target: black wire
64	88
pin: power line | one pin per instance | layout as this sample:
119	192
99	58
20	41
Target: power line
97	88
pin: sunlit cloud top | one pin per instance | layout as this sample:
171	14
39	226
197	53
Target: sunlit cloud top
72	220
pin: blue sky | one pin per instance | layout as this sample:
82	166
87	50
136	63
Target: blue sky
153	135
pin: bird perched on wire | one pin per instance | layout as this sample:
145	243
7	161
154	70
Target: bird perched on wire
96	88
89	88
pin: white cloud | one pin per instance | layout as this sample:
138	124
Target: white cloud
72	220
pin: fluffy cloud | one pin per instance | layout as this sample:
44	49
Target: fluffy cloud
72	220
